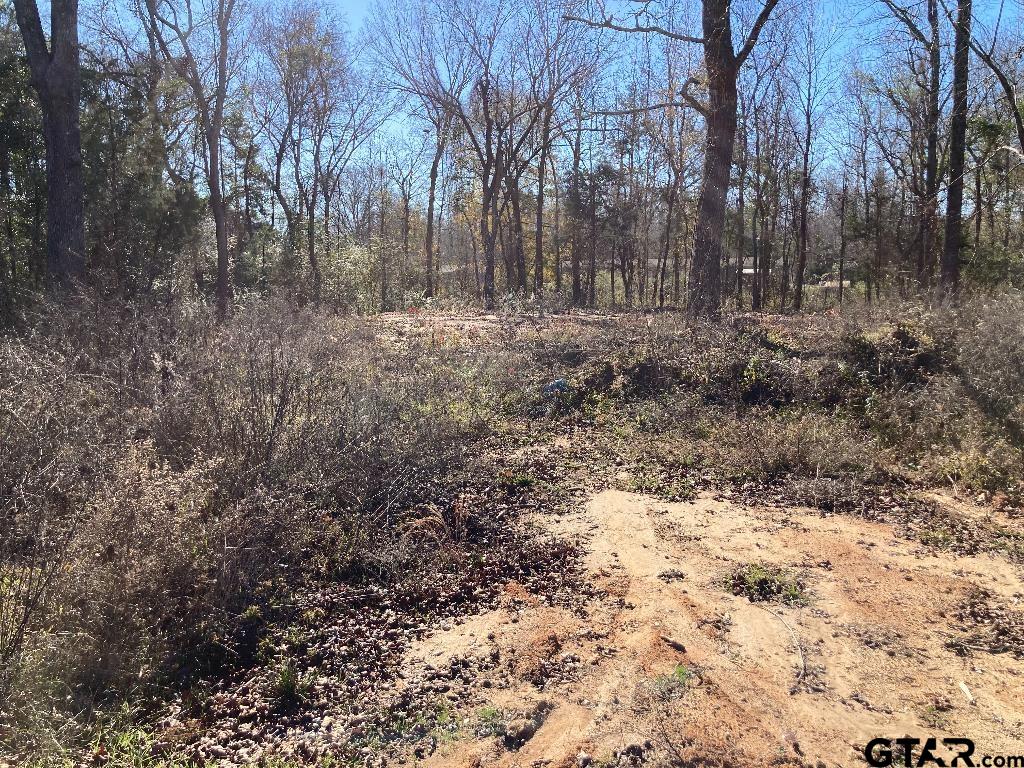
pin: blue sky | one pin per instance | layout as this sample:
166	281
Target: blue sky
354	11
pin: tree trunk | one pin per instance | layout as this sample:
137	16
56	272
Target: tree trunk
220	222
957	148
673	190
592	271
488	238
805	193
56	78
558	235
431	197
577	239
518	246
406	226
382	232
314	261
926	261
842	241
757	224
704	286
538	246
741	214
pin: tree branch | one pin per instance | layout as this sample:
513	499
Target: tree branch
689	100
903	15
1009	90
609	23
35	42
755	31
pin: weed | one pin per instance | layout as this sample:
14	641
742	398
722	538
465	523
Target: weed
251	616
290	686
675	683
491	722
934	716
663	485
936	538
515	483
762	583
445	721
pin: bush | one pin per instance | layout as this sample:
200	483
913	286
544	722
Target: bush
990	358
163	478
759	582
764	445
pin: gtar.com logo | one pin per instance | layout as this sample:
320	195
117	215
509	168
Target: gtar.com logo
909	751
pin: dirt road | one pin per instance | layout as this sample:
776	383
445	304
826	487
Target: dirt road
667	666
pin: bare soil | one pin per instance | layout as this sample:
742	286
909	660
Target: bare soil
666	665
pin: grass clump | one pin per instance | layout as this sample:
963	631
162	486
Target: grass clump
490	722
291	687
672	685
767	583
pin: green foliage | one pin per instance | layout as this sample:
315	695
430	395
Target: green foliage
290	686
663	482
759	582
22	171
138	225
515	483
675	683
491	722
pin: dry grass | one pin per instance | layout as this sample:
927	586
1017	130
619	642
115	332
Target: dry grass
162	477
928	396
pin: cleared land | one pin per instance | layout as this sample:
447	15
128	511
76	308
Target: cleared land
766	542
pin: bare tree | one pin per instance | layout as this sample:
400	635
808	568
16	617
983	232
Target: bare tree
957	151
200	41
813	83
722	63
56	77
1003	74
316	109
927	35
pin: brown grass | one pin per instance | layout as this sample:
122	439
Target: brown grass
164	478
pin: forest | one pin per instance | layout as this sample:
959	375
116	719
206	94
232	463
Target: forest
468	383
481	154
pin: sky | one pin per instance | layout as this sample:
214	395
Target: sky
354	11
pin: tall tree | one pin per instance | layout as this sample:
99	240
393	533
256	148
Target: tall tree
813	82
197	39
931	42
957	151
56	77
722	64
317	111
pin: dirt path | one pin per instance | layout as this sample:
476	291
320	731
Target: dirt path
668	667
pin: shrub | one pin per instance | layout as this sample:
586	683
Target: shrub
990	359
764	445
163	478
759	583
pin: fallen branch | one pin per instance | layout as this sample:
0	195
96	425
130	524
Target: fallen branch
674	643
796	640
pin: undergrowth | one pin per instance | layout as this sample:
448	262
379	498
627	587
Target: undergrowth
166	481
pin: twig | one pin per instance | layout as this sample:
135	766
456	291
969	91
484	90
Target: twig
674	643
796	640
